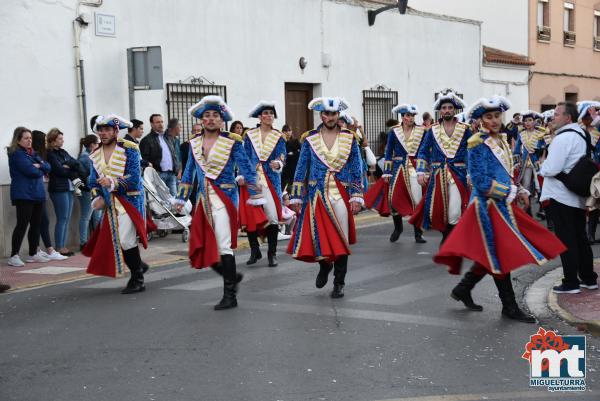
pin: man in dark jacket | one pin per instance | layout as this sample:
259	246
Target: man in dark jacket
157	149
293	152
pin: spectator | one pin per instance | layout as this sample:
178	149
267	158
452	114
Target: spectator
566	209
427	120
159	152
237	128
87	146
134	134
27	194
64	178
293	146
174	130
39	146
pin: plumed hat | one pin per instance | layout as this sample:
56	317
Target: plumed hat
405	108
112	120
486	105
334	104
584	105
531	114
449	97
262	106
211	102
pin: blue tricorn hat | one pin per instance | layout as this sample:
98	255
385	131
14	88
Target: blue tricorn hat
211	102
346	117
531	114
112	120
262	106
334	104
584	106
406	108
484	105
449	97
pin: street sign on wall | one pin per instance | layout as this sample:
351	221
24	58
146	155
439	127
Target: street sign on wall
106	25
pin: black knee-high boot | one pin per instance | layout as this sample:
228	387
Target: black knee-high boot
340	267
462	291
230	278
398	228
272	233
255	254
510	308
133	260
218	267
324	269
447	232
419	235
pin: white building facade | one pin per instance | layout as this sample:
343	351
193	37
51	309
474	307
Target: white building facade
247	50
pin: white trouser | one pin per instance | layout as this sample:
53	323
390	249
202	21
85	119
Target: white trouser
454	202
222	230
127	232
270	208
415	189
528	175
341	213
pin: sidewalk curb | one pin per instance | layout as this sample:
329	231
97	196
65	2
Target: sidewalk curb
592	326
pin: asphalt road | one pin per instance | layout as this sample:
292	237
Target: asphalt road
395	336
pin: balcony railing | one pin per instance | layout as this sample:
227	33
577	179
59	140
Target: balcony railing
597	43
543	33
569	38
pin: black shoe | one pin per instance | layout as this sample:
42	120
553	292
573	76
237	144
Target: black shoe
4	287
338	291
460	294
255	256
420	240
398	228
565	289
324	269
589	286
145	267
132	288
70	253
517	314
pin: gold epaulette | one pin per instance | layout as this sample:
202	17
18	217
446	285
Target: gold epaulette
474	140
129	144
235	137
305	135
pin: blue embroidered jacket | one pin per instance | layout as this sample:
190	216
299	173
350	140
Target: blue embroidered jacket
226	154
398	151
273	149
530	146
312	168
490	168
124	170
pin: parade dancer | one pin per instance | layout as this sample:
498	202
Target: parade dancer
404	193
213	156
265	147
116	187
531	143
493	232
442	169
326	192
586	121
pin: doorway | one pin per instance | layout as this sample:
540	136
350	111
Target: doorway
297	114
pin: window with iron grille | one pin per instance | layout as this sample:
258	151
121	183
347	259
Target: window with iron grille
180	97
377	107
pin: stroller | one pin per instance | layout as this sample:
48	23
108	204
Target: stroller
158	203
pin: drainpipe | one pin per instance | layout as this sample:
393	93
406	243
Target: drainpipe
78	23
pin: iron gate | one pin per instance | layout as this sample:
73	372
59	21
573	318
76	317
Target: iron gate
377	107
180	97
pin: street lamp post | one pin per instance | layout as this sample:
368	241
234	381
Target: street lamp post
372	14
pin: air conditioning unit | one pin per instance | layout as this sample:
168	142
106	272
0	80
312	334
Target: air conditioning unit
543	33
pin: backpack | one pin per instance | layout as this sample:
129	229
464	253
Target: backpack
579	179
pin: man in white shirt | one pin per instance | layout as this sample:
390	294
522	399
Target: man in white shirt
566	209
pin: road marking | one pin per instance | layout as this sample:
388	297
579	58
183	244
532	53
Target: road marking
488	397
407	293
52	270
352	313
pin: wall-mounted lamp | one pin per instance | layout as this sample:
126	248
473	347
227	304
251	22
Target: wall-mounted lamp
401	6
303	62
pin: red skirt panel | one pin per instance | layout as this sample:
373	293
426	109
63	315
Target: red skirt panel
377	197
252	218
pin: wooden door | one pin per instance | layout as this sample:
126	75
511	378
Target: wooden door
297	115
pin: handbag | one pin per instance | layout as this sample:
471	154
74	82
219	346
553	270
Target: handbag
579	179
